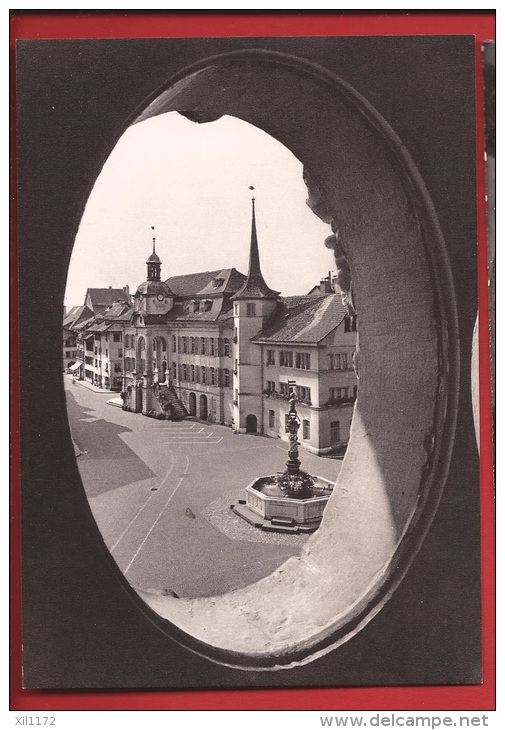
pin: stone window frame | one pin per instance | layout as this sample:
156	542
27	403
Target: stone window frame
418	241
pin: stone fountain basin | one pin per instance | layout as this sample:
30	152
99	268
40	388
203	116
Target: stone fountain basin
266	499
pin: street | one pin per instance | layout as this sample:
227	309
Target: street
160	493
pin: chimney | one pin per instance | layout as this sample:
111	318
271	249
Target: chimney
325	286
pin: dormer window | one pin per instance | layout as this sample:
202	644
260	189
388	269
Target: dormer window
206	305
193	306
217	282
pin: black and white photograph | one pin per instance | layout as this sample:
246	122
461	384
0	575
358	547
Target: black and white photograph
248	332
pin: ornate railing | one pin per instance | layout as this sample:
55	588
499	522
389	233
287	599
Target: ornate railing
285	396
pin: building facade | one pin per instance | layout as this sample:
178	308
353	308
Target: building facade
225	348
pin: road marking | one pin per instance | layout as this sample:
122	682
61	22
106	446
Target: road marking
158	517
184	431
144	505
203	443
171	424
196	434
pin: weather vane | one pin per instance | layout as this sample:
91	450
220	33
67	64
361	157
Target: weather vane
154	240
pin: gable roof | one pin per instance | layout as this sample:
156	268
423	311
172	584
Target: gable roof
203	283
304	319
77	315
118	311
104	297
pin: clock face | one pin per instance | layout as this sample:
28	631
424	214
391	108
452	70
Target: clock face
160	297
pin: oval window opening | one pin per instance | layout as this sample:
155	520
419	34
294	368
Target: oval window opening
254	557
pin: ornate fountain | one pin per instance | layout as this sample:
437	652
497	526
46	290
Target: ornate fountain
290	501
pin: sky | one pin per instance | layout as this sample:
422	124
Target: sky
191	181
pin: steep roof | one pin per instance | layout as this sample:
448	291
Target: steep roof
222	281
76	315
304	319
105	296
255	286
118	312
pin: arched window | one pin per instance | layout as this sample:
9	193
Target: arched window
127	363
174	370
133	363
226	378
204	374
174	343
127	340
212	376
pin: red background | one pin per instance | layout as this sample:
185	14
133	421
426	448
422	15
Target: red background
30	25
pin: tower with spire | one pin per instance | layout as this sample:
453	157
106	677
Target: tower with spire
153	296
253	306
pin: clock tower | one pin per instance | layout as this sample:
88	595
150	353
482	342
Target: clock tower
153	296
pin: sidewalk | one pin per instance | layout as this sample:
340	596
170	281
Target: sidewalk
89	386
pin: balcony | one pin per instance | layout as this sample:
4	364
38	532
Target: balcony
332	402
285	397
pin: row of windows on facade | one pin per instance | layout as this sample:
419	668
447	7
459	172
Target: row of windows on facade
98	351
334	427
213	346
96	362
301	360
189	373
201	374
301	392
116	336
336	394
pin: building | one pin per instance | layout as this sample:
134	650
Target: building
100	346
225	348
99	300
71	320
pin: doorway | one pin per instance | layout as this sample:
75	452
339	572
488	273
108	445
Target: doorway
251	424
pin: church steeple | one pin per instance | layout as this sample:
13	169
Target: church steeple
255	286
153	263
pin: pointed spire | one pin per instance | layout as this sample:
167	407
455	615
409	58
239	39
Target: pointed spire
255	286
153	263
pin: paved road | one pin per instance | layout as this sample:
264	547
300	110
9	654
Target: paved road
160	493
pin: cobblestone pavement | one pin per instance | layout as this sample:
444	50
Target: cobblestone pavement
160	493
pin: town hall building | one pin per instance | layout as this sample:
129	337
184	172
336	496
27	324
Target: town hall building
225	348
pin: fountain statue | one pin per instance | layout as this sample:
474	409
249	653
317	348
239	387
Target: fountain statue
291	501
